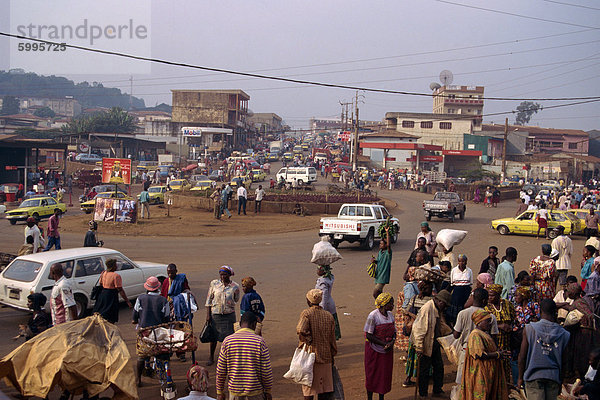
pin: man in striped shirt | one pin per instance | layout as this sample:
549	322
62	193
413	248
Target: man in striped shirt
244	364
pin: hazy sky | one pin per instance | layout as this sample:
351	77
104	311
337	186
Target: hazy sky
397	45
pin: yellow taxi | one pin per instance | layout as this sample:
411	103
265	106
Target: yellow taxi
203	186
272	157
156	194
288	157
38	207
580	213
237	180
180	184
526	224
258	175
88	206
305	147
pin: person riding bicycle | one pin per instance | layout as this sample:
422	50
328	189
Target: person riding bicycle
150	309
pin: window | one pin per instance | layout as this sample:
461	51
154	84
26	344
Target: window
51	202
360	211
408	124
352	211
445	125
573	146
67	267
378	213
344	211
526	216
451	111
122	264
426	125
22	270
367	212
558	217
89	266
384	212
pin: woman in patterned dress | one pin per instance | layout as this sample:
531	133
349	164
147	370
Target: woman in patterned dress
483	376
543	272
504	312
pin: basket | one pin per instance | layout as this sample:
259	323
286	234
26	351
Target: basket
427	274
146	345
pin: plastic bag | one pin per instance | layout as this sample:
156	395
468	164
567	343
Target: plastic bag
323	253
301	367
450	237
452	348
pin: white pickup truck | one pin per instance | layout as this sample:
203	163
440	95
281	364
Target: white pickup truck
357	222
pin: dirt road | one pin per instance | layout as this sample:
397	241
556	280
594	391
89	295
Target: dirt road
280	264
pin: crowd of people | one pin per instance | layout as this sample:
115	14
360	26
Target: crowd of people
535	330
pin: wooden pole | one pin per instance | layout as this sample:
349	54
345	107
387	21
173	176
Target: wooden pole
504	149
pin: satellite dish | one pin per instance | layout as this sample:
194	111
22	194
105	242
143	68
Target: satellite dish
446	77
250	113
434	86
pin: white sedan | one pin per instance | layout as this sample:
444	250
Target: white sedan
81	266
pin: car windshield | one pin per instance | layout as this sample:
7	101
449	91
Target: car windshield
22	270
154	190
103	195
30	203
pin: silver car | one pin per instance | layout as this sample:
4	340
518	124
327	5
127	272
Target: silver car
81	266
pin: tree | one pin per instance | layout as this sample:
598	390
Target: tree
114	121
10	105
525	111
44	112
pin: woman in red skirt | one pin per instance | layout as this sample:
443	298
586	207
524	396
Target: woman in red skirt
380	333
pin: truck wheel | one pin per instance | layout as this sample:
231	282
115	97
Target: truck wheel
552	234
428	217
462	214
503	230
394	238
369	241
12	221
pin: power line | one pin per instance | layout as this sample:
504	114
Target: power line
274	78
571	4
516	15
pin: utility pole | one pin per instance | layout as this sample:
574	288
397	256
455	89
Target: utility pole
504	149
355	144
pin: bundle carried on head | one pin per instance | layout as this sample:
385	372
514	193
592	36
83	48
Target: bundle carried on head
450	237
323	253
426	273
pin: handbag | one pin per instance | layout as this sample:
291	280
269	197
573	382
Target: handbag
97	289
301	367
372	269
209	334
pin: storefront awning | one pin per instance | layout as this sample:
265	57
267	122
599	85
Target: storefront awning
401	146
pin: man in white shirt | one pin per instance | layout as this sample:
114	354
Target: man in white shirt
62	301
242	194
526	198
260	193
32	230
564	246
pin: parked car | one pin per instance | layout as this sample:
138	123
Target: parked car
179	184
197	178
88	206
214	176
357	223
88	158
156	194
235	182
202	186
258	175
445	205
38	208
526	224
581	213
81	266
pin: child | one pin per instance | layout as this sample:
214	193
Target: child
27	248
251	301
39	321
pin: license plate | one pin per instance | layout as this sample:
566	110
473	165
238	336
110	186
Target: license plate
14	294
338	236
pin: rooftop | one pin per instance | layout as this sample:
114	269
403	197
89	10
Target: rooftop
389	133
228	91
533	130
429	116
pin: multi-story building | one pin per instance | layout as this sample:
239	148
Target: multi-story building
224	111
265	123
462	100
446	130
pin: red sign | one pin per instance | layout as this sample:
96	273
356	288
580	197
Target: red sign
11	167
390	159
116	170
426	159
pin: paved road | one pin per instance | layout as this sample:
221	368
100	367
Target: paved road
280	265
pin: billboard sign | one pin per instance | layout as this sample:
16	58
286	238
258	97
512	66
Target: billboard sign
116	170
117	210
344	136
